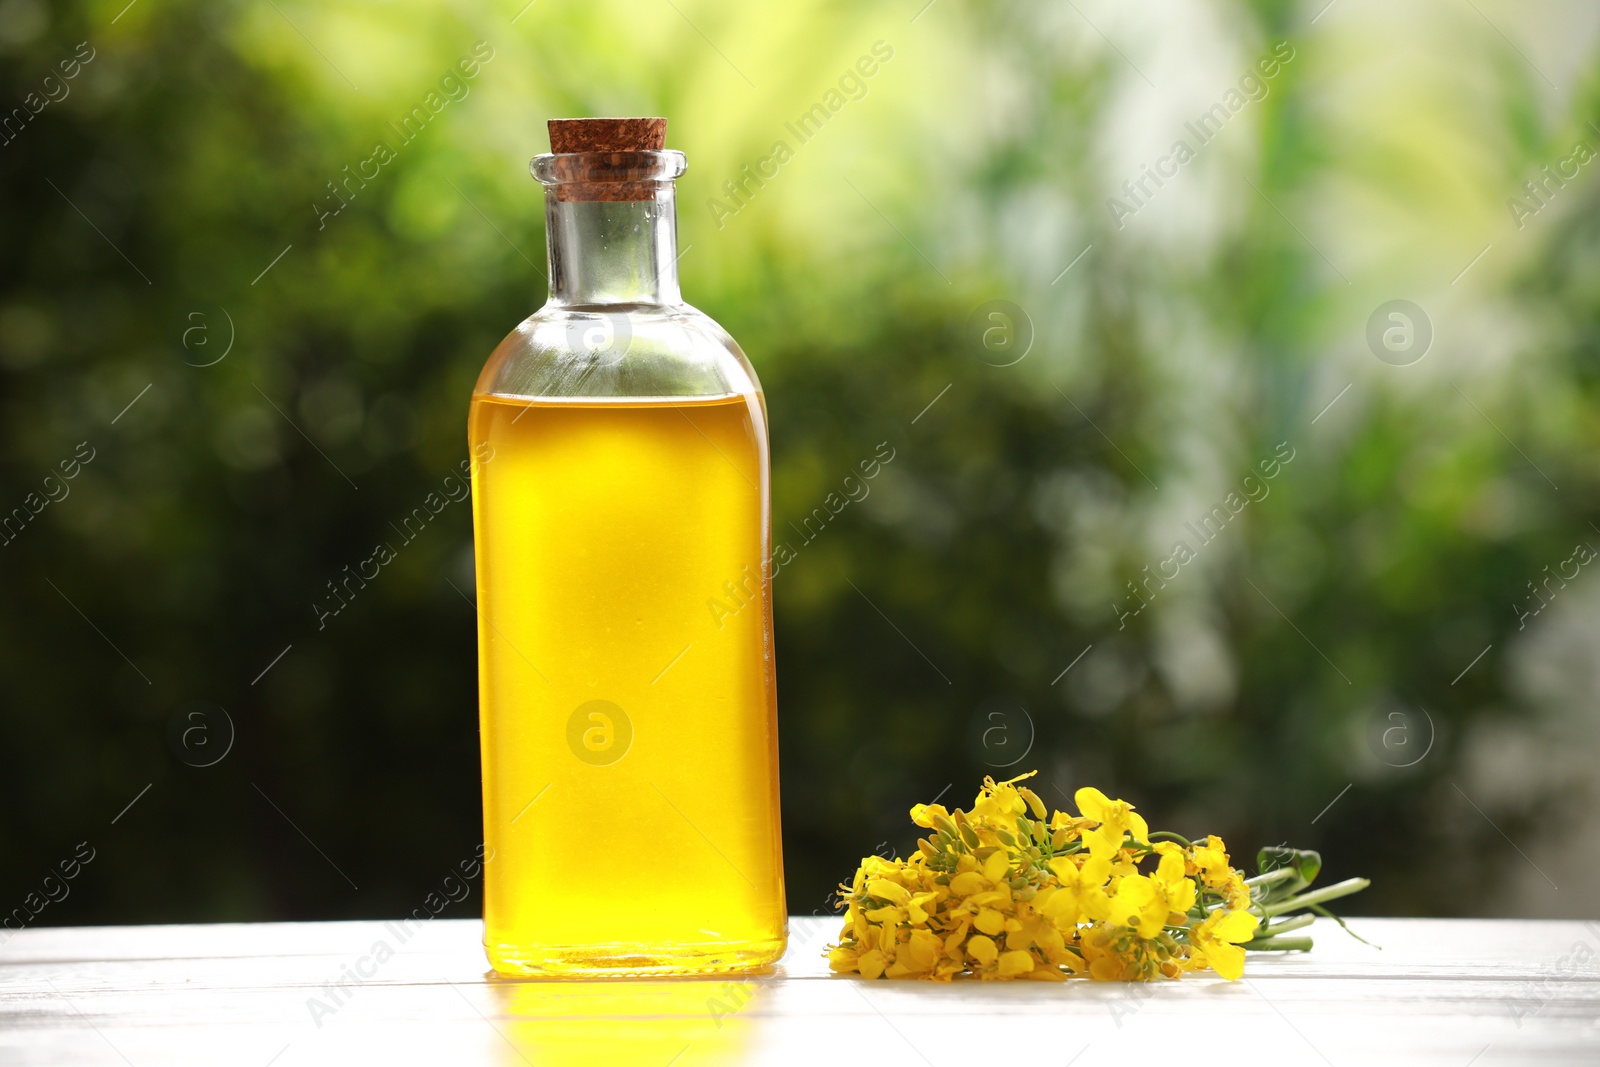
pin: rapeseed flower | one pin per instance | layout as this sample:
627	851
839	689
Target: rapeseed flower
1013	890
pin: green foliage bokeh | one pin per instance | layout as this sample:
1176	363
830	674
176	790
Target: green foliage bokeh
142	210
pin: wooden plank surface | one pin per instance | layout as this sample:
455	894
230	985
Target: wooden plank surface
1440	992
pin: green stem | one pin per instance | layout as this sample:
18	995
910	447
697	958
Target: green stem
1288	924
1279	944
1175	837
1325	913
1318	896
1271	876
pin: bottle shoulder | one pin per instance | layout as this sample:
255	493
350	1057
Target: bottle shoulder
621	350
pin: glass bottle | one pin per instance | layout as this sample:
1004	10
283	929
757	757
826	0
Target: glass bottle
625	656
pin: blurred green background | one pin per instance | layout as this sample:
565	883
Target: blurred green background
1356	662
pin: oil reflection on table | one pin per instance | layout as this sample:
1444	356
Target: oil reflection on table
627	1023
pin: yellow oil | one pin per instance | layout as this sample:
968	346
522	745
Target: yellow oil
627	709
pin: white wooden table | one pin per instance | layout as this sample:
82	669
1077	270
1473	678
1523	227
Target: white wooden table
1440	992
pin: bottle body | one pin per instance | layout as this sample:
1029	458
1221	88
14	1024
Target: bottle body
626	672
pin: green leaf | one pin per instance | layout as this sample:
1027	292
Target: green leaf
1305	864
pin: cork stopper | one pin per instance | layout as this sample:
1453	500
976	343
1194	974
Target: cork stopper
598	160
607	135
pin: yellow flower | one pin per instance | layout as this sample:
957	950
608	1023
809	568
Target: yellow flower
1116	818
1062	821
1035	805
1014	963
1140	905
916	957
1237	893
1212	860
1000	802
990	921
952	943
1148	903
1173	882
886	889
1105	962
967	883
1109	968
1081	893
1011	890
922	907
1216	940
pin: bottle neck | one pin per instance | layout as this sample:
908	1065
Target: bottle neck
613	252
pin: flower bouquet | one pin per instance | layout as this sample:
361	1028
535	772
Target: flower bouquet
1011	890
